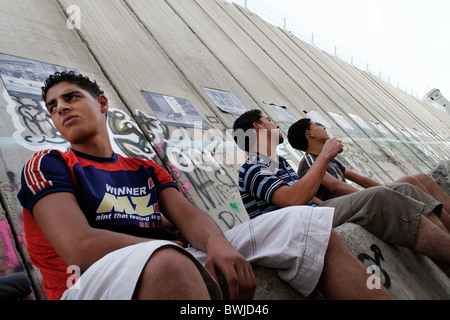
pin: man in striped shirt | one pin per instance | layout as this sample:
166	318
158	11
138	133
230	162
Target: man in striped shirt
269	188
392	216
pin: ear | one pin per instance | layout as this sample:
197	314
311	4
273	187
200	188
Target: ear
256	126
103	103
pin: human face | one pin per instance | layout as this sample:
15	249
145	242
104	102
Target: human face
76	114
272	130
318	130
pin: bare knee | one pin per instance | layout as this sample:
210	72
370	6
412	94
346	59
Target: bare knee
414	182
170	275
408	179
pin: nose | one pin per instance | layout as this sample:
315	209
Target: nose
61	108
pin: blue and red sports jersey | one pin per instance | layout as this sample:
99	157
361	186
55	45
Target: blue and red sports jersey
117	194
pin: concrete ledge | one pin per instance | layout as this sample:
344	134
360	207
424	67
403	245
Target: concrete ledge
408	276
271	287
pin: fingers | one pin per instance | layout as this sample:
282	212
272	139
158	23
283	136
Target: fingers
241	281
248	290
339	145
210	266
332	148
239	277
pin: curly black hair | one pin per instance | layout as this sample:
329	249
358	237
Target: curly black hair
244	134
71	77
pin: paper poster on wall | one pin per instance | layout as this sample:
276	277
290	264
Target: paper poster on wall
226	101
282	113
359	121
341	121
24	78
317	117
178	112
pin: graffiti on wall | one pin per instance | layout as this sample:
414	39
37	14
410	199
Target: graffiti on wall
391	155
358	158
376	261
399	147
127	139
192	161
199	157
9	262
33	128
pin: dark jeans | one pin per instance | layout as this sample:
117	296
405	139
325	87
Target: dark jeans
14	287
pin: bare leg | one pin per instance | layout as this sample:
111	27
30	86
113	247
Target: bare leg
434	189
445	219
415	182
430	187
171	275
434	242
345	277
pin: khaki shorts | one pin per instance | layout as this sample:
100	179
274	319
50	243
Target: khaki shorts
390	213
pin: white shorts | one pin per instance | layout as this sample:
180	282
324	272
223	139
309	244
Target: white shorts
115	276
292	240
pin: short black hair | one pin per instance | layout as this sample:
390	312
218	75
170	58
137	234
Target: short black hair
297	134
72	77
244	135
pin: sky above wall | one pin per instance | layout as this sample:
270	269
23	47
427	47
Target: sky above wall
407	42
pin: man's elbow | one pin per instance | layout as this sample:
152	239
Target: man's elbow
335	189
78	254
76	258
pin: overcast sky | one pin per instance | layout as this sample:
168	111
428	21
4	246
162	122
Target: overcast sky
407	40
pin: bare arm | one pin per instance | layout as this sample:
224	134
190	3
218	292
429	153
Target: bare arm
337	187
341	188
76	242
364	182
304	190
204	234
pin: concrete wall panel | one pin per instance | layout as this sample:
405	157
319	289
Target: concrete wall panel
176	48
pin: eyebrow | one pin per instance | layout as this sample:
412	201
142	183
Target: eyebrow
64	96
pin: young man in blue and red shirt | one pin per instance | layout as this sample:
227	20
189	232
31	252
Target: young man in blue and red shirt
91	210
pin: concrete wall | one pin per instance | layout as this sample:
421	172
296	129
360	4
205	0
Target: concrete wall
177	48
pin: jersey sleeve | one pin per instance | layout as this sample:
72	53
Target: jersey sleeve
45	173
164	180
260	182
